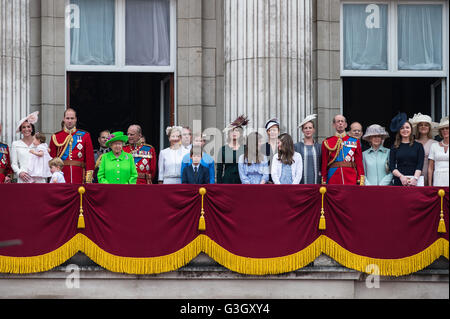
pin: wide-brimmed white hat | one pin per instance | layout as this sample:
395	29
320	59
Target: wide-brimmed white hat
307	119
422	118
443	123
31	118
375	130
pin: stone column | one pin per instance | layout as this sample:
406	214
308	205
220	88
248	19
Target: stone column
14	65
268	61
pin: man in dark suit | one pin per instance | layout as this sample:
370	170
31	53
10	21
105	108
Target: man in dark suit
195	173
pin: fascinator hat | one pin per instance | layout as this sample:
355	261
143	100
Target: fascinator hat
375	130
307	119
31	118
397	122
241	121
116	136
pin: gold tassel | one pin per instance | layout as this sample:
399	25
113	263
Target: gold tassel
202	222
81	221
322	223
441	227
81	191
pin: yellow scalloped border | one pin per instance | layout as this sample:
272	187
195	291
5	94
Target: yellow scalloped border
239	264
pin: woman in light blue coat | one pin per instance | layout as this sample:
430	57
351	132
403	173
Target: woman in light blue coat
376	158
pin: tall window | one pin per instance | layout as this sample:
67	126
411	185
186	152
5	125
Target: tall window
127	35
394	38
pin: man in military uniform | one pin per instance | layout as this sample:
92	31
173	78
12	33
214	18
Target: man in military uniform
342	157
74	147
5	162
102	149
144	155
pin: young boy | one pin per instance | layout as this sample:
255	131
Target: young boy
56	165
195	173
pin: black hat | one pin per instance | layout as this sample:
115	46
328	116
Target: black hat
398	121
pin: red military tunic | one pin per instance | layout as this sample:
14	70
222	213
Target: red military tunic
75	149
342	160
144	156
5	162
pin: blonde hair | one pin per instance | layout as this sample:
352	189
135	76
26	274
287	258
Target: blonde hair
57	162
170	129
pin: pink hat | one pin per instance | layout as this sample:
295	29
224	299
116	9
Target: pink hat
31	118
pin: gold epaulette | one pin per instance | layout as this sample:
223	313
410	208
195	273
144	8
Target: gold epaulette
99	159
337	147
67	141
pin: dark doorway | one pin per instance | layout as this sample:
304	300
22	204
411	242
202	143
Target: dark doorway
371	100
115	100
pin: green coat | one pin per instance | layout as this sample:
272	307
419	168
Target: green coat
120	170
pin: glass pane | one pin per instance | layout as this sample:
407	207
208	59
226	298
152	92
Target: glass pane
147	32
420	37
92	32
365	36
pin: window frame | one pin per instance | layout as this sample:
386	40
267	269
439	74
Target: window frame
392	46
120	46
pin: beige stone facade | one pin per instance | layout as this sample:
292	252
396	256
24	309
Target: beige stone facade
200	64
34	77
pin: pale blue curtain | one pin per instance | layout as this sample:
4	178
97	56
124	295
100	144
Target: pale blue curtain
147	32
420	37
92	43
365	44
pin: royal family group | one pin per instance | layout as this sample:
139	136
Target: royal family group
418	156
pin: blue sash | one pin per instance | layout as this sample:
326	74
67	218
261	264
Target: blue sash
144	149
77	138
342	154
2	150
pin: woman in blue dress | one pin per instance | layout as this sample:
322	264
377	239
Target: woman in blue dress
253	164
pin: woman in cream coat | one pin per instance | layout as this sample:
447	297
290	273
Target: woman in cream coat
20	149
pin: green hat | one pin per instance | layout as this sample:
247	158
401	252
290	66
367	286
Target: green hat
116	136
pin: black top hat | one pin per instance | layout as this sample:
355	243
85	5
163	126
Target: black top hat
398	121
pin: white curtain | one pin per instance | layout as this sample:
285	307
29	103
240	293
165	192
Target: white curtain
365	36
420	37
92	40
147	32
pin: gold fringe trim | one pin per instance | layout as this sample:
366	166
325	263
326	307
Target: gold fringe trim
239	264
144	265
260	266
386	267
33	264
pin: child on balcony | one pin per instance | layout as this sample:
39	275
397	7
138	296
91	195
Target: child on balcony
56	165
38	166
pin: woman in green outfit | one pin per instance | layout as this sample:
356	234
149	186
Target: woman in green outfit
117	166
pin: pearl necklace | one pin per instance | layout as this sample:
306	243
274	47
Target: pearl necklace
444	144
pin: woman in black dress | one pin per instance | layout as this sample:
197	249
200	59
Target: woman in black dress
407	155
227	163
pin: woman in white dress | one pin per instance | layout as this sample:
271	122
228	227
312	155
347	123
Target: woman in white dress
287	164
20	149
424	131
438	158
170	159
